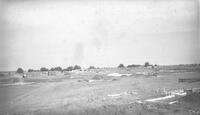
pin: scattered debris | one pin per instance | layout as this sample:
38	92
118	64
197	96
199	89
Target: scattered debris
196	90
165	91
91	80
160	98
117	95
141	73
169	94
188	91
19	83
139	101
118	75
121	94
193	90
114	95
114	74
132	92
173	102
179	92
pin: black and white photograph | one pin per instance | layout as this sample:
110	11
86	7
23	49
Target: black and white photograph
99	57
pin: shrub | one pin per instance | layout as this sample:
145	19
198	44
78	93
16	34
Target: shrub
44	69
70	68
20	70
30	70
76	67
91	67
121	66
1	74
56	69
146	64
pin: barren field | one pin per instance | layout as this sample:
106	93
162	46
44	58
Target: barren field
135	91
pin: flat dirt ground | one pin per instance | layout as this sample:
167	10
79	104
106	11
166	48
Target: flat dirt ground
97	93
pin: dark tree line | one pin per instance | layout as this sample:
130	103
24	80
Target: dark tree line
77	67
58	68
146	64
133	65
91	67
70	68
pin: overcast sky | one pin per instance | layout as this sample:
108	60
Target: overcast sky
36	33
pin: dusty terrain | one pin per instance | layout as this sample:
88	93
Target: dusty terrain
103	92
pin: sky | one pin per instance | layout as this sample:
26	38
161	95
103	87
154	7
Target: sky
103	33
